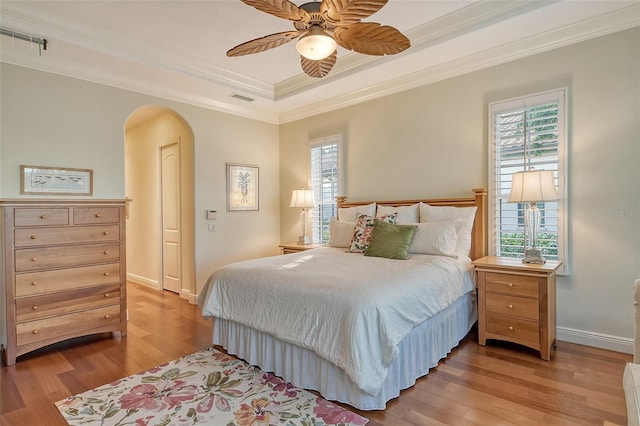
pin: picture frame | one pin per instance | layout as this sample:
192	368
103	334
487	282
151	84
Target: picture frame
44	180
243	183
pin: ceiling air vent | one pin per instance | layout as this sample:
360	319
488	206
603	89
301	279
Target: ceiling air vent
241	98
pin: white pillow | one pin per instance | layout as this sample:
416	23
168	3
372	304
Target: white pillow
406	214
441	213
340	233
435	238
348	214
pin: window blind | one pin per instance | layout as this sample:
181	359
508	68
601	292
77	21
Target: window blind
326	182
527	134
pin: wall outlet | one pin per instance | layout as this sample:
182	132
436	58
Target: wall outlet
212	227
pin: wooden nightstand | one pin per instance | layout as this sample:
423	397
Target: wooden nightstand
517	302
295	248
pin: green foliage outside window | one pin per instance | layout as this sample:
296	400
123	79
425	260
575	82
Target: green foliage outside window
511	245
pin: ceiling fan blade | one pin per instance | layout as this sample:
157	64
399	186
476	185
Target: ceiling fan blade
371	38
263	43
318	69
280	8
344	12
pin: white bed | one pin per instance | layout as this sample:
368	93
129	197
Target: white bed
357	329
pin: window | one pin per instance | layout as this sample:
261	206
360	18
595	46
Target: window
527	133
326	182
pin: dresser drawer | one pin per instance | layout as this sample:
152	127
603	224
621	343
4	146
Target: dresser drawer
69	235
90	215
514	306
41	217
33	259
511	284
33	283
513	328
49	328
35	307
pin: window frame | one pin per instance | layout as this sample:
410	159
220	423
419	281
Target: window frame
320	224
561	96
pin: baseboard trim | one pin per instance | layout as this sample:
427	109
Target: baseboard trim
596	340
186	294
143	281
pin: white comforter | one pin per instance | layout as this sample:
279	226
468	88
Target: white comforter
350	309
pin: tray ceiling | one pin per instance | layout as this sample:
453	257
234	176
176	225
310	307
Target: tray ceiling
177	49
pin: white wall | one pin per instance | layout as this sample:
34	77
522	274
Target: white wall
52	120
432	142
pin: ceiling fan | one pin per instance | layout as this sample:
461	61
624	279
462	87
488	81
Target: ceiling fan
322	26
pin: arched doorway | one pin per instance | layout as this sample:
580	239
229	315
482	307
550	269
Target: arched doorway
155	257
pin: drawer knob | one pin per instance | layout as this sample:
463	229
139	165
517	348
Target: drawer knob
107	316
510	328
510	284
97	214
33	237
510	306
35	308
105	233
106	295
106	274
33	259
42	216
106	252
35	331
34	283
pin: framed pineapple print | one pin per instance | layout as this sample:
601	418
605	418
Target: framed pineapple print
242	187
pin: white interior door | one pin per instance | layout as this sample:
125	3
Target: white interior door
171	245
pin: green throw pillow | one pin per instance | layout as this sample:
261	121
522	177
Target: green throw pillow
390	240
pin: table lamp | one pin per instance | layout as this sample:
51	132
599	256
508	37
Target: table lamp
303	198
532	186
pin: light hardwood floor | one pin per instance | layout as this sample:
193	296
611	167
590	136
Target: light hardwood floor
498	384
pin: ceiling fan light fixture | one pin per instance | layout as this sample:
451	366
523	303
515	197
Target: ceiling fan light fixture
316	45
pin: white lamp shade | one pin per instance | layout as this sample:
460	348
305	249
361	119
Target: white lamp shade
302	198
532	186
316	45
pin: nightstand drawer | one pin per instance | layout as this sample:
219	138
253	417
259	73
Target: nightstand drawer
513	328
512	284
514	306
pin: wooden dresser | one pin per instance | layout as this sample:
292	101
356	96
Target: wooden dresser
517	302
64	271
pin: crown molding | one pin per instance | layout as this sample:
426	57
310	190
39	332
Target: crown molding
605	24
198	81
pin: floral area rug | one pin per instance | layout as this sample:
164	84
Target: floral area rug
209	388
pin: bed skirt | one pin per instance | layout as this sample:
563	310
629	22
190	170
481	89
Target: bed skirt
419	351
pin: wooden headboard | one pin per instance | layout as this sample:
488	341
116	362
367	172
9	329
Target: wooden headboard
479	231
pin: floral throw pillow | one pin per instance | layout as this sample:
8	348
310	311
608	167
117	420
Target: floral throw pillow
363	230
